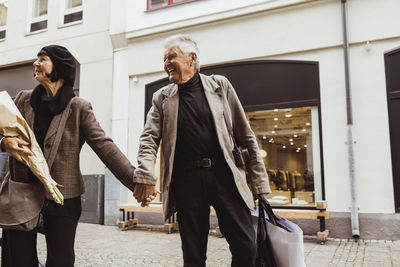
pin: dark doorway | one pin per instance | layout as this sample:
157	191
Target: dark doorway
392	65
264	84
282	89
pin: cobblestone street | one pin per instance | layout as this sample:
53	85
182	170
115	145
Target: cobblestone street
98	245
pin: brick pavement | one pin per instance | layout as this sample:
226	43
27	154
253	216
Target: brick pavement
98	245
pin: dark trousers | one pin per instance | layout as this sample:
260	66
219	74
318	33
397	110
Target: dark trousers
60	222
194	191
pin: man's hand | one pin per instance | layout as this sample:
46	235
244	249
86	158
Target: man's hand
145	193
14	147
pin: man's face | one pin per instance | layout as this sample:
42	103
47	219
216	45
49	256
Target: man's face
179	68
43	65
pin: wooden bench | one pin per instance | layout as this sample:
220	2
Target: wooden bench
128	217
320	213
129	221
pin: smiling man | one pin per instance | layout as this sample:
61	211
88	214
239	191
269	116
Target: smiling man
199	167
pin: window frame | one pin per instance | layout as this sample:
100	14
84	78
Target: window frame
33	20
168	4
69	11
3	28
316	136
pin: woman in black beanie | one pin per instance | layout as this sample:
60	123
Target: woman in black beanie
43	108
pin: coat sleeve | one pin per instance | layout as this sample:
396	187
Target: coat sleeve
245	137
150	142
104	147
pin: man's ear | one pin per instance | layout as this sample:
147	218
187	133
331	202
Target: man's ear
193	56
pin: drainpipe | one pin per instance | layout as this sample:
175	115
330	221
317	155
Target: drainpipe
350	139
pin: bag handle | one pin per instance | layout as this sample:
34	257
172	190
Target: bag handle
60	131
225	112
263	205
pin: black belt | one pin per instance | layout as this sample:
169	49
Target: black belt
201	163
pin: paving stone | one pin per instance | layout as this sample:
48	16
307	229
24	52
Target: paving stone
103	246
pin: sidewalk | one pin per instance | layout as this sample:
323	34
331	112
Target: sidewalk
98	245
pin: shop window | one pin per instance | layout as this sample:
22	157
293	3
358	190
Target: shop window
73	11
289	144
39	15
154	4
3	19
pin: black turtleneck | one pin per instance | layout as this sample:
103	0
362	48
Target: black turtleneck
196	134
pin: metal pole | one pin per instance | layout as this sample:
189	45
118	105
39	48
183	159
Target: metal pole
350	139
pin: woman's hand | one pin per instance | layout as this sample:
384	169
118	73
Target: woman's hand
14	146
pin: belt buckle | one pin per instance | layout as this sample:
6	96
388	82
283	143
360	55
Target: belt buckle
206	163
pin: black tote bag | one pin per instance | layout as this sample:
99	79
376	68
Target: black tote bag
265	254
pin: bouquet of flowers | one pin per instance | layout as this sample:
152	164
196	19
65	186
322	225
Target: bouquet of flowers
12	124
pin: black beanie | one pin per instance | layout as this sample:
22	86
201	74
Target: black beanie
63	63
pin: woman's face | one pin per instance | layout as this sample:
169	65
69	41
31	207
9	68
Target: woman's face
43	66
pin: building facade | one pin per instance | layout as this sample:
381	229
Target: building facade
325	112
323	120
83	27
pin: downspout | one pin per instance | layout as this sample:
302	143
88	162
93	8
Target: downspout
350	139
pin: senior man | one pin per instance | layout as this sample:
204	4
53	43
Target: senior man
199	167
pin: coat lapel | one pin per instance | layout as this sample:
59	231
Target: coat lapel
214	97
170	107
29	114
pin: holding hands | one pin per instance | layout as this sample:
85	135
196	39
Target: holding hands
145	193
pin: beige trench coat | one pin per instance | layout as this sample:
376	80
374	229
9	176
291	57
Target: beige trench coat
161	125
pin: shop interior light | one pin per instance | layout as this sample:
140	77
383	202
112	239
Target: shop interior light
304	130
264	137
276	126
305	145
308	124
263	153
291	140
291	143
275	119
276	110
283	146
295	135
273	132
271	140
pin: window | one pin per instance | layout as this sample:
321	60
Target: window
154	4
3	19
289	144
73	11
39	15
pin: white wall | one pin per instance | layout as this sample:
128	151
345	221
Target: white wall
310	31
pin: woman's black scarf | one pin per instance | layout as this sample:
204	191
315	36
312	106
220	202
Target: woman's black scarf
46	108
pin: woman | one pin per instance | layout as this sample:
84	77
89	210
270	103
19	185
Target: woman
43	107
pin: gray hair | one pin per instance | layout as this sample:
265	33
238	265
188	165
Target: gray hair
186	44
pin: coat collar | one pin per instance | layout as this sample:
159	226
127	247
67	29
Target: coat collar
29	114
207	81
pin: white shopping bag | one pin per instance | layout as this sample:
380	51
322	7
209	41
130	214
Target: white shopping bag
285	236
